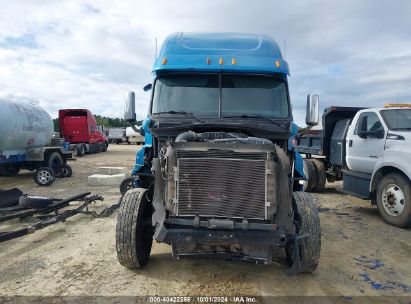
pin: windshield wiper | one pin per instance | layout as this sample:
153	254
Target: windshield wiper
255	116
190	115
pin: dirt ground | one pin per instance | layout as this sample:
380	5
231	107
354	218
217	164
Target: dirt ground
361	255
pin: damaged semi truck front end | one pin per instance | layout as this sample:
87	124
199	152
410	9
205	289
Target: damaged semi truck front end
220	172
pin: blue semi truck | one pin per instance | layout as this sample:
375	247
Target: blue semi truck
218	174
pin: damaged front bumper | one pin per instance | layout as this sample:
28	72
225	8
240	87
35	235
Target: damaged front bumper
223	238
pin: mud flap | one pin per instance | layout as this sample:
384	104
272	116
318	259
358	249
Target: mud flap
296	266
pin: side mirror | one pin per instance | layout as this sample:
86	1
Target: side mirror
371	134
313	110
148	87
379	133
130	107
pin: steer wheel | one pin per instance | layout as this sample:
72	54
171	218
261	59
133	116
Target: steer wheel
308	227
134	229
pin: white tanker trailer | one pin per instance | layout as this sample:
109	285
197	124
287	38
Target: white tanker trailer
26	142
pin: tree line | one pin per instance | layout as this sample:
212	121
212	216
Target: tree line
107	122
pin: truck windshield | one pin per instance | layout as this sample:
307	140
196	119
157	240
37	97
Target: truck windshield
397	119
239	94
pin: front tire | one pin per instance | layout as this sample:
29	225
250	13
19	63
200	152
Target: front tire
134	229
308	222
394	200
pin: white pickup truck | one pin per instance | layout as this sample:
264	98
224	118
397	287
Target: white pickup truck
370	150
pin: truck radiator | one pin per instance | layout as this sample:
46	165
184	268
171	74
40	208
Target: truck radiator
214	184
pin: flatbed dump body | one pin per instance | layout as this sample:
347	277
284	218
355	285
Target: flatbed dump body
319	143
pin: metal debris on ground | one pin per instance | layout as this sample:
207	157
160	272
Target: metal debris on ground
44	211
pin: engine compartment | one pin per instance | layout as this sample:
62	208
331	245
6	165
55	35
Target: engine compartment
223	175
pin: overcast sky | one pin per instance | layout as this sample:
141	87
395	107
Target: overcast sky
66	54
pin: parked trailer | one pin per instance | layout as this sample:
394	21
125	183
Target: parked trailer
134	137
79	128
26	142
117	136
368	149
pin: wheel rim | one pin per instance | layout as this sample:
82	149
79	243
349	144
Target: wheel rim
393	199
43	177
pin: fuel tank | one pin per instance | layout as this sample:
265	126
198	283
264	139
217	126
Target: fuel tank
23	125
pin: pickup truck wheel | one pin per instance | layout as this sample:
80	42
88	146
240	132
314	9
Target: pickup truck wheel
311	175
44	176
64	171
307	222
134	229
394	200
321	175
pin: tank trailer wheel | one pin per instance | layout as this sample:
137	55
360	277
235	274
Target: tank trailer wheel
64	171
308	225
44	176
134	229
394	200
321	175
310	173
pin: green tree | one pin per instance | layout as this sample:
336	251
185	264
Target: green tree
56	125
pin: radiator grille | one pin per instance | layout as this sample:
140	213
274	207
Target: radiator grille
222	154
226	187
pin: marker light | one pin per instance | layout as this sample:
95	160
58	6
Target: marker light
164	61
233	61
208	61
397	105
277	63
221	61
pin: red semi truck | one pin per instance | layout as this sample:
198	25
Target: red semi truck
79	128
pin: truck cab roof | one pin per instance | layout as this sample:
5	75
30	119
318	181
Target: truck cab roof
236	52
